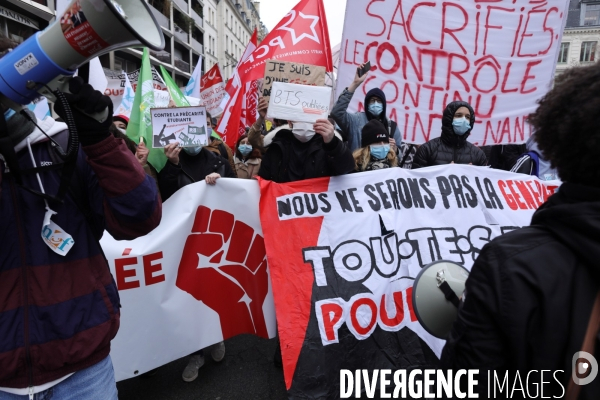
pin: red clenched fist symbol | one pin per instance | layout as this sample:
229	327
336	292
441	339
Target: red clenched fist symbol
224	266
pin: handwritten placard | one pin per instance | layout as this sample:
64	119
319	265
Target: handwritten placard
290	72
298	103
185	125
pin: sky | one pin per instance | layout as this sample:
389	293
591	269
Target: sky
272	11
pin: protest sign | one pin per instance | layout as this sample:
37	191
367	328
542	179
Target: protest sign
186	125
500	58
200	277
354	245
212	90
291	72
299	103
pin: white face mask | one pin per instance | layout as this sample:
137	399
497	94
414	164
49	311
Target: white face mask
123	131
303	131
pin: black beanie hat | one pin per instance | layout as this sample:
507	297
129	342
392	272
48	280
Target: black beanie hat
374	132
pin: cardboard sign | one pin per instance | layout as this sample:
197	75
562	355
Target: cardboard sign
185	125
291	72
298	103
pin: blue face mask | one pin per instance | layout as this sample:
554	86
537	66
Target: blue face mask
245	149
376	109
461	126
380	151
8	114
192	151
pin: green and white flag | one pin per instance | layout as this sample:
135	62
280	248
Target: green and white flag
176	95
140	122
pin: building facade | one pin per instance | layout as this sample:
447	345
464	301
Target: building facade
581	37
216	30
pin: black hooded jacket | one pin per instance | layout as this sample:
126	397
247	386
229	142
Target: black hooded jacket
287	159
450	147
529	296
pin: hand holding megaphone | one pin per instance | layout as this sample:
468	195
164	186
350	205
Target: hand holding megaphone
91	111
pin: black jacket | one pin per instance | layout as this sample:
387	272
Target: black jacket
191	169
530	294
318	158
450	147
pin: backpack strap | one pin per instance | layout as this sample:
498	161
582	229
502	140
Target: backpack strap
535	158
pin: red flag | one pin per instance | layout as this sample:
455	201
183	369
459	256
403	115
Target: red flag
301	36
212	90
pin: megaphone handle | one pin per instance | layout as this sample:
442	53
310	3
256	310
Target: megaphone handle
449	294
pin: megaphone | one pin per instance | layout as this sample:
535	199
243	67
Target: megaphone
86	29
436	296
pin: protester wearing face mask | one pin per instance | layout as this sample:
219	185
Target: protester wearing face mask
452	146
351	124
216	145
375	152
188	165
303	151
247	159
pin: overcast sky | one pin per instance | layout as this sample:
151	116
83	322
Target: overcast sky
272	11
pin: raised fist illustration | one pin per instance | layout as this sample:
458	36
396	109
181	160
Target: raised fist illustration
224	265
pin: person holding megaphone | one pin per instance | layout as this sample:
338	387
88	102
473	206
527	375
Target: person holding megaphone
61	186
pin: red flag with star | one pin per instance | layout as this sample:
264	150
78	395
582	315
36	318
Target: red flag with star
301	36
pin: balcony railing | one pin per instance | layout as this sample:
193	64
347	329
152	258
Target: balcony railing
182	4
197	18
196	45
162	55
182	65
181	34
160	17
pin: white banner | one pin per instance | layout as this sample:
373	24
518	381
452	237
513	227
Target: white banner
499	57
198	278
115	88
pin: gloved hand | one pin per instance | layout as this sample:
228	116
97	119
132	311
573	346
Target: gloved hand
85	99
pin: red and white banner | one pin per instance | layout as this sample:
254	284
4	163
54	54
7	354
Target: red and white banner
301	36
200	277
212	90
353	246
499	57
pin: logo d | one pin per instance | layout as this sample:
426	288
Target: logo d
584	367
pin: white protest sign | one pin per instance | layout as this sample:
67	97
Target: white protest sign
185	125
115	88
298	103
200	277
498	57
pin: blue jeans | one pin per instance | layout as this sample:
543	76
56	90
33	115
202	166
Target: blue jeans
95	382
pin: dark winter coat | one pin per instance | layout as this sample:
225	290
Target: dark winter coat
450	147
320	158
191	169
58	314
530	293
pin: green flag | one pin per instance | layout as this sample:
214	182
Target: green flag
140	122
176	95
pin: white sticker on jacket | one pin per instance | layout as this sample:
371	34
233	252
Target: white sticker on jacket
57	239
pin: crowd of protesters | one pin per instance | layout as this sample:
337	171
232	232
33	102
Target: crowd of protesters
125	194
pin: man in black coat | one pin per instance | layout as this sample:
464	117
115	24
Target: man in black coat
306	151
193	165
452	146
529	296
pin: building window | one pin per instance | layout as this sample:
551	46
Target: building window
563	54
588	51
592	14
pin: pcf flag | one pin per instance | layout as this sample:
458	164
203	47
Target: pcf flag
343	253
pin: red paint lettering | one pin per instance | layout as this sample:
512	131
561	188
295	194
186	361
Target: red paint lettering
150	269
122	273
